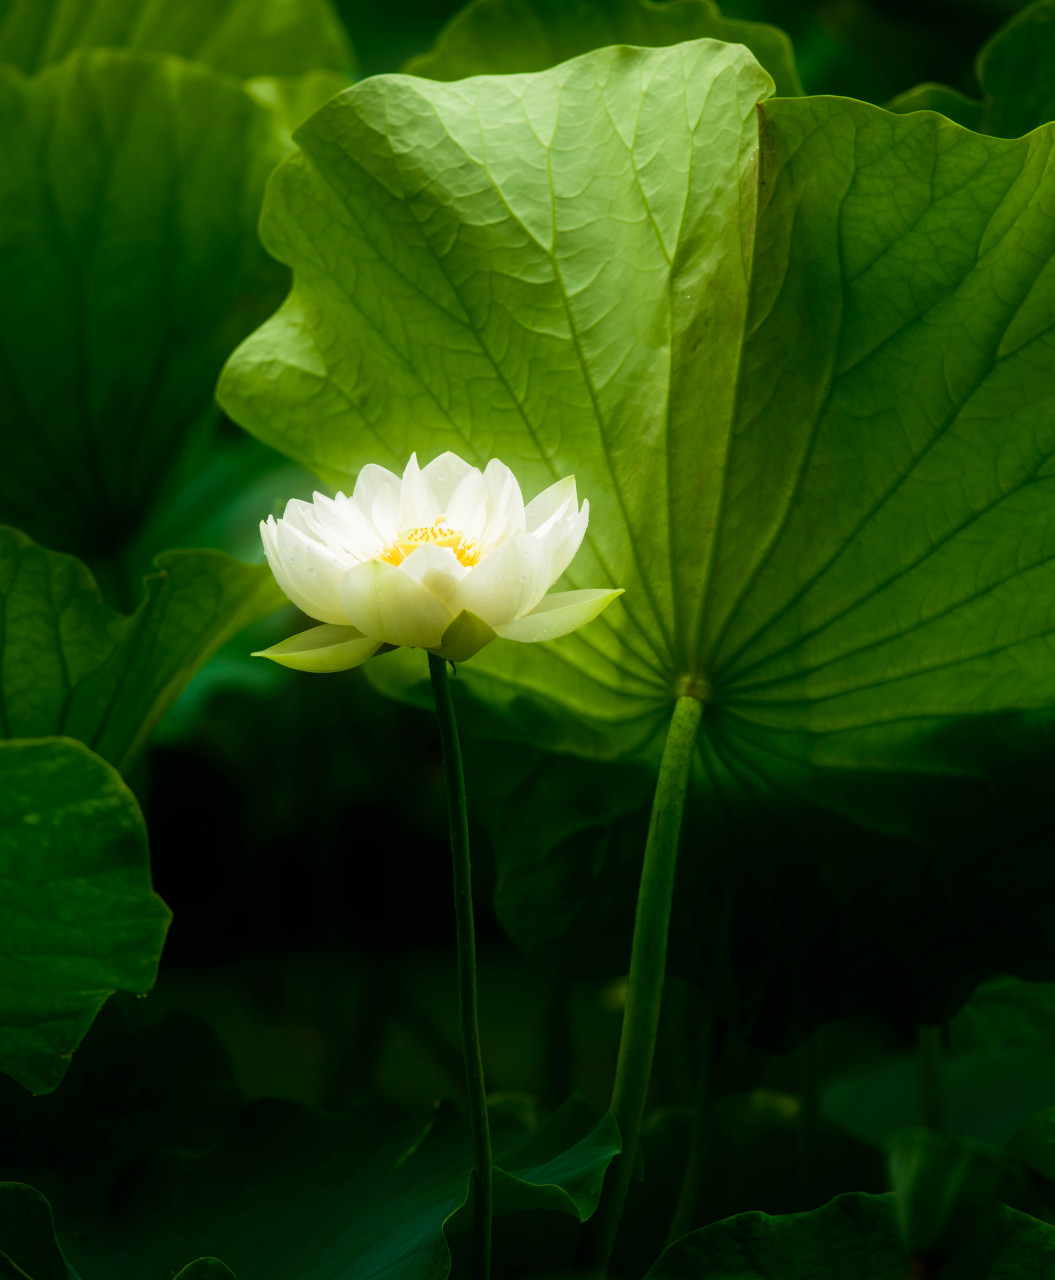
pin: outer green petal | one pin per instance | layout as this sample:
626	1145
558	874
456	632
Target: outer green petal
325	648
559	613
466	636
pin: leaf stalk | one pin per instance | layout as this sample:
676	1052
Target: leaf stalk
648	963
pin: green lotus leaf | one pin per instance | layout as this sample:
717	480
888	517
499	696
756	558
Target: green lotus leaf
129	196
291	1192
853	1235
501	37
240	37
71	665
78	915
292	99
28	1250
1016	71
206	1269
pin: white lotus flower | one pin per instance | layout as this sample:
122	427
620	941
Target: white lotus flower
446	559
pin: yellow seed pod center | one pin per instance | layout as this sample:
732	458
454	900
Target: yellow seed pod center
434	535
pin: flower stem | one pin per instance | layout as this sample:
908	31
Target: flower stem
648	963
463	910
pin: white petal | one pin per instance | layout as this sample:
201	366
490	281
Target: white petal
505	504
467	509
307	571
506	583
550	500
418	507
559	613
325	648
384	515
342	524
438	569
381	600
444	474
562	539
376	494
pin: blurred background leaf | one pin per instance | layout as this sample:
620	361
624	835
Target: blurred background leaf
289	1189
239	37
28	1249
1016	72
69	664
79	917
127	213
854	1235
500	37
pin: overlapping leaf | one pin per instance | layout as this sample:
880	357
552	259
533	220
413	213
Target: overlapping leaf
241	37
854	1235
808	389
500	37
320	1197
29	1250
71	665
78	915
1016	72
129	196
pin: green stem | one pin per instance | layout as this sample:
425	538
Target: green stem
463	910
931	1077
648	963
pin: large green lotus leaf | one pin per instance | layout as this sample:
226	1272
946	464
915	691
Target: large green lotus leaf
129	195
500	37
853	1235
293	1193
240	37
71	665
1016	71
78	915
463	253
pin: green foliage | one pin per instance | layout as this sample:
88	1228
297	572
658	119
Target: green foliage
27	1236
945	1189
854	1235
240	37
372	1185
130	191
804	374
1016	71
291	99
70	665
989	1093
501	37
873	49
78	915
1007	1013
206	1269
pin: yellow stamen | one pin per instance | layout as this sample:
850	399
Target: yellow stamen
434	535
